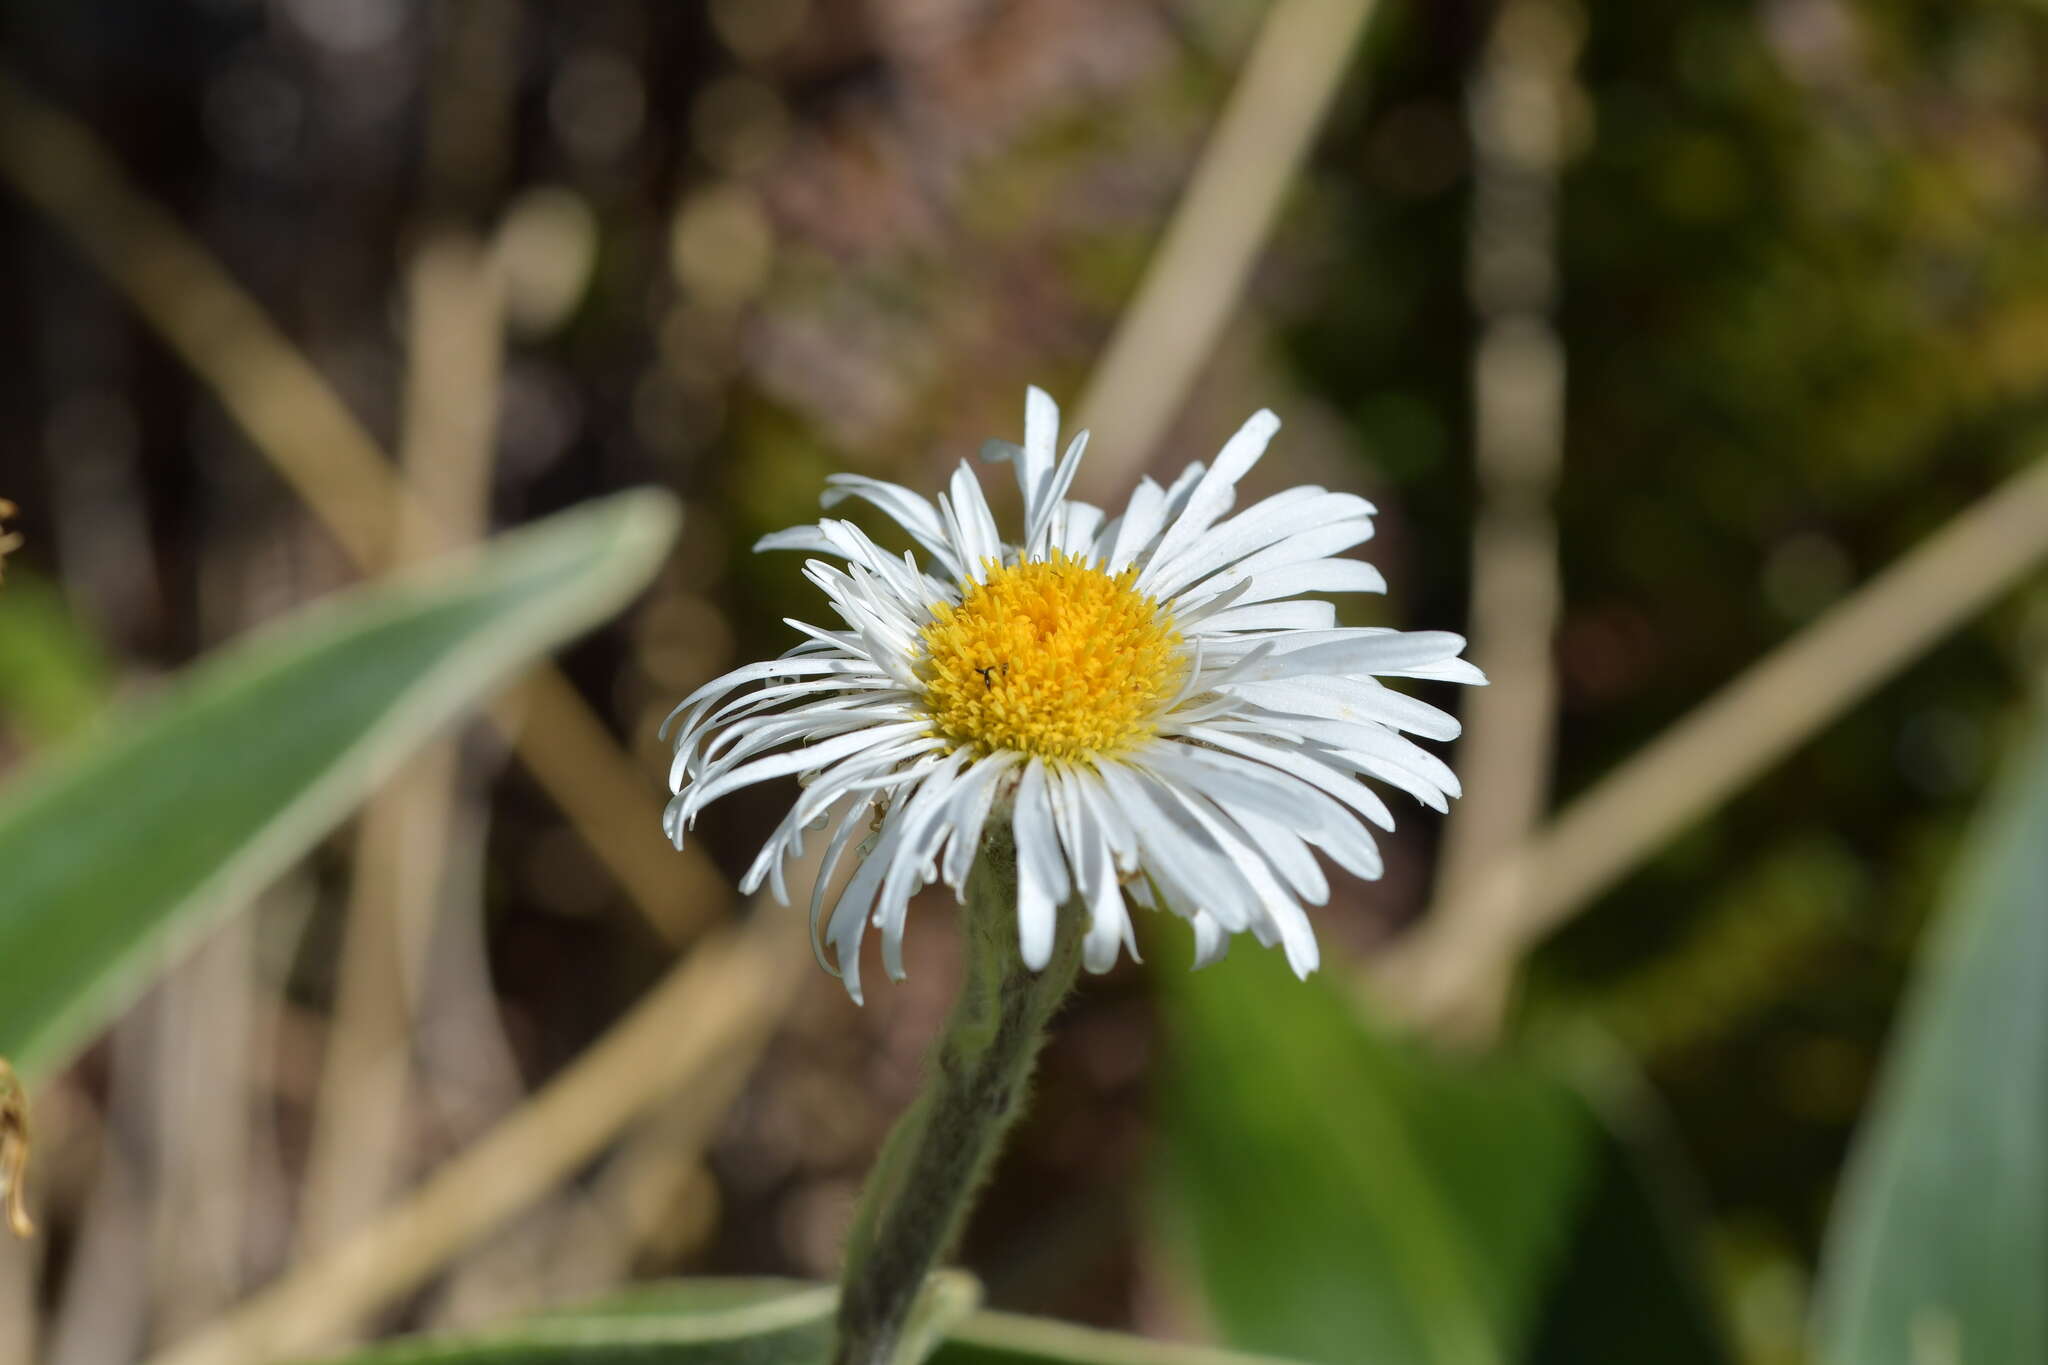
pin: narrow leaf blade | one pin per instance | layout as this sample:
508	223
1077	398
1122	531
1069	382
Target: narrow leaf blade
686	1322
1010	1339
1939	1246
692	1322
118	849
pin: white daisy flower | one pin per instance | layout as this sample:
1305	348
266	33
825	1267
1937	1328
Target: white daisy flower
1149	700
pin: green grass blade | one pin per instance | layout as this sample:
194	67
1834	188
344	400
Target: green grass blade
115	852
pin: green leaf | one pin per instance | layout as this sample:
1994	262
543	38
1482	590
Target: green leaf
1938	1252
115	852
692	1322
949	1297
1007	1339
1634	1243
1347	1199
687	1322
54	676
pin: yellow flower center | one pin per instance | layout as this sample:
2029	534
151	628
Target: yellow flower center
1054	658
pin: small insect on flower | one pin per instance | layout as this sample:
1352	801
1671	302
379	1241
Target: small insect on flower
1150	701
14	1151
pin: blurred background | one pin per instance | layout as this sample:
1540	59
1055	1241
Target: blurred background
1653	330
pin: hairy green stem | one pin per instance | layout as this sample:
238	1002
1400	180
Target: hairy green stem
922	1186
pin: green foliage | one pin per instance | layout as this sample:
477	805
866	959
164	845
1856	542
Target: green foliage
130	843
703	1322
780	1322
1009	1339
1344	1198
53	673
1939	1243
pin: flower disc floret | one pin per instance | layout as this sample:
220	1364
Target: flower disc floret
1051	657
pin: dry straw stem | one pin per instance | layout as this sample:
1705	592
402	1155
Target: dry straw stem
455	347
653	1202
1204	259
1518	105
14	1146
206	1173
1453	973
293	417
721	1003
20	1325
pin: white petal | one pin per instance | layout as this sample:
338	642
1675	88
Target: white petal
1039	526
812	723
1034	459
1188	768
922	831
1076	527
1306	547
1276	916
1041	444
864	771
1315	575
1178	853
1351	699
1327	825
1284	849
1042	882
979	539
1211	942
1377	742
849	823
973	796
1284	916
1139	526
850	915
795	538
1306	614
1094	870
811	756
1358	652
909	510
767	668
1285	518
1307	766
1106	816
1215	491
1227	780
1450	670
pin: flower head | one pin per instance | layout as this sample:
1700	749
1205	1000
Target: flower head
1150	701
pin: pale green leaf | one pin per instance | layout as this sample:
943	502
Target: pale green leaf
114	852
686	1322
690	1322
1938	1253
